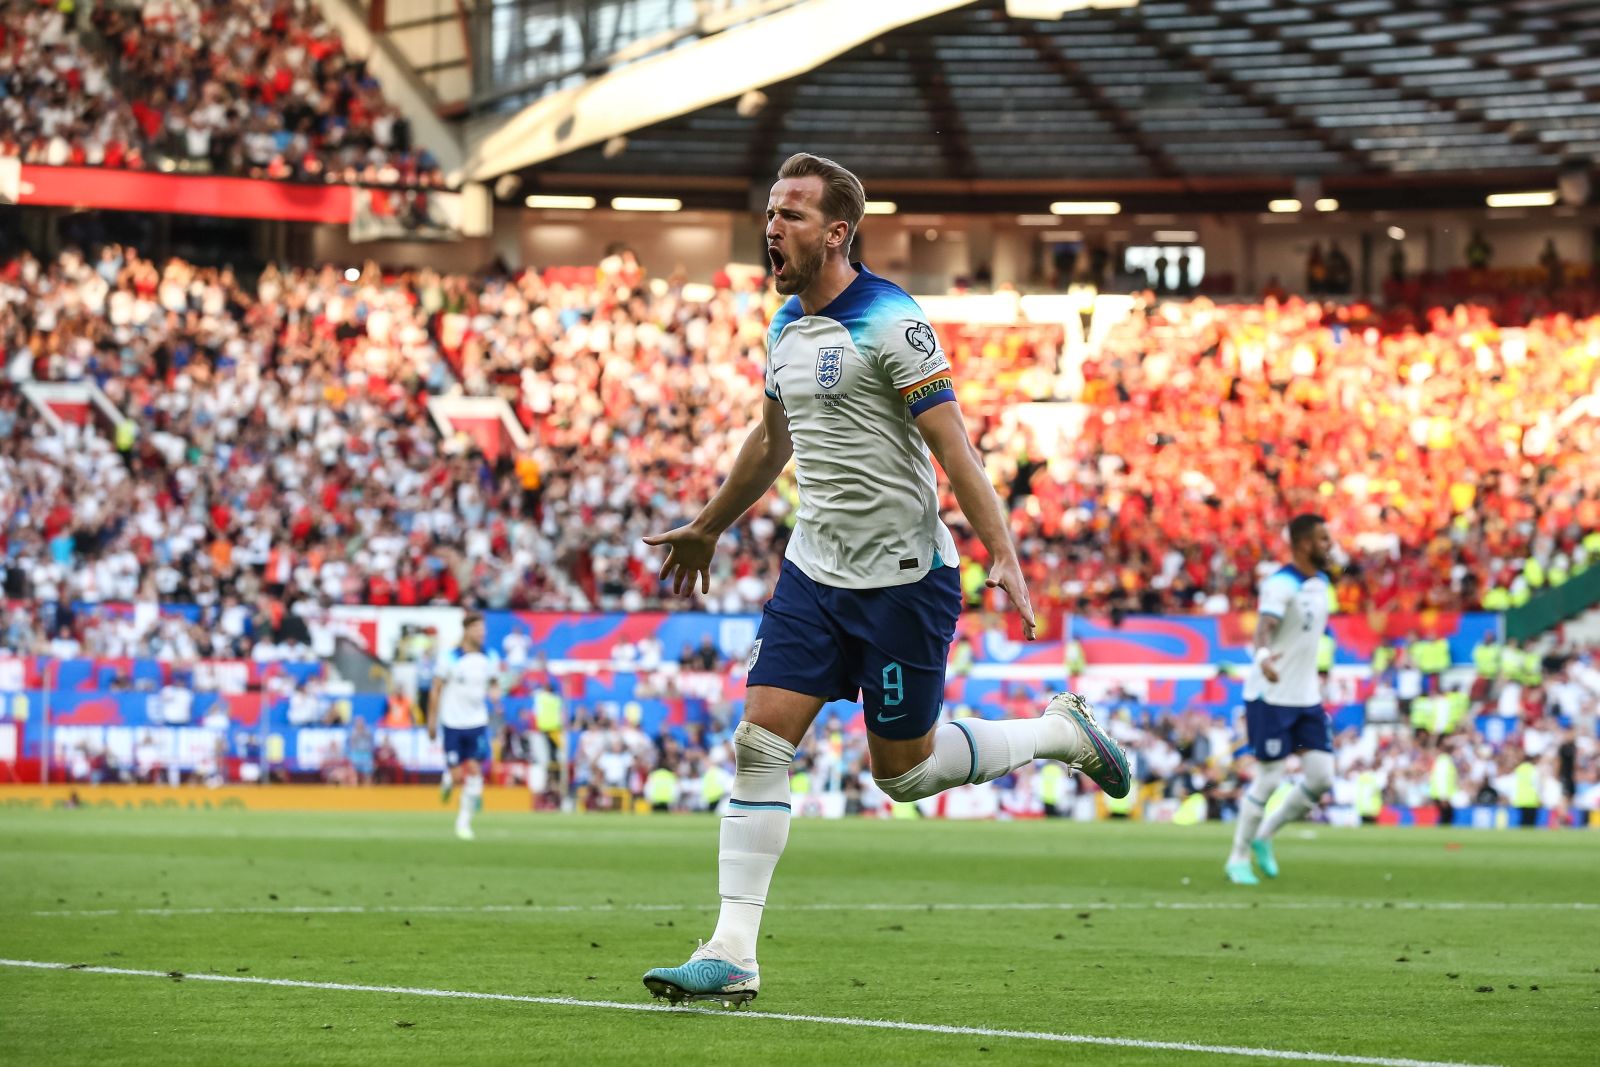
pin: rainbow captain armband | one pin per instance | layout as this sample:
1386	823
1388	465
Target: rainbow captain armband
929	393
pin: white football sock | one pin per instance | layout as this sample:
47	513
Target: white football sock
754	831
1318	777
969	751
471	794
1269	773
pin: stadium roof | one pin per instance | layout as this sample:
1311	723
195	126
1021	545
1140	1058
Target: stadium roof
1202	104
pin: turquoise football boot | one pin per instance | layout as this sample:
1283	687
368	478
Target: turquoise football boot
1262	848
1241	874
708	976
1097	755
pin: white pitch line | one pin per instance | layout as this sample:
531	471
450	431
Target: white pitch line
821	1020
1048	905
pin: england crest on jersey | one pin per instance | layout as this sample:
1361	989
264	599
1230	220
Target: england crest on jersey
830	367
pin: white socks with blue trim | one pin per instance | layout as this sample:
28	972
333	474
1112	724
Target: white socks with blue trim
471	798
754	830
1316	779
968	751
1269	773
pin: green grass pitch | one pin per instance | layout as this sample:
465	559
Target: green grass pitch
1374	943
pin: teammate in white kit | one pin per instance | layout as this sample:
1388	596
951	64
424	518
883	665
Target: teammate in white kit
858	391
460	703
1283	699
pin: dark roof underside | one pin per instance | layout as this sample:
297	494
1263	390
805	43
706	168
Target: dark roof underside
1215	99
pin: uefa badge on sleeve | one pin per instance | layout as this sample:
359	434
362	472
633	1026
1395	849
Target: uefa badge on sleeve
920	337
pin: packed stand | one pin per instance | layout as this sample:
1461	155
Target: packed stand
283	454
262	90
59	104
1437	449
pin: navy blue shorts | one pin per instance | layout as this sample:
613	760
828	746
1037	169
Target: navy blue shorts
1276	731
469	744
838	644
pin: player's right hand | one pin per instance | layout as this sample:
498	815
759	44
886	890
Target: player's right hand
1269	669
688	563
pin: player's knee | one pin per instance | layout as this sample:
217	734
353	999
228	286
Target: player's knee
761	764
1318	778
901	791
1269	775
755	747
1316	783
915	784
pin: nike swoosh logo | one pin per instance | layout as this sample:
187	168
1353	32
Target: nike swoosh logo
892	718
775	370
1110	761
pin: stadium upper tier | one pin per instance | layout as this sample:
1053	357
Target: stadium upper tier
262	89
283	444
1163	105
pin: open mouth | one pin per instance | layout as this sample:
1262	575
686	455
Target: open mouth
778	260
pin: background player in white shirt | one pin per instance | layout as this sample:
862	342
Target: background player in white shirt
460	703
858	391
1283	699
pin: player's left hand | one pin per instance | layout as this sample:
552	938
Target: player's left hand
689	552
1007	575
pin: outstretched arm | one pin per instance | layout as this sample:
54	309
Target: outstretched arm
761	459
946	433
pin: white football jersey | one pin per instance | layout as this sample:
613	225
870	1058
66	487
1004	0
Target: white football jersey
466	677
1301	603
852	379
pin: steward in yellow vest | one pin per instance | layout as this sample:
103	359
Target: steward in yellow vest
1053	789
1442	786
1530	668
1486	656
713	786
1369	796
1122	808
1525	793
661	789
1192	812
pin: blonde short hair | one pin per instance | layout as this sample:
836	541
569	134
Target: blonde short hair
843	198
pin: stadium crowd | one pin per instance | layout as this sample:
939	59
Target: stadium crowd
280	456
1515	745
1437	449
280	452
263	90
